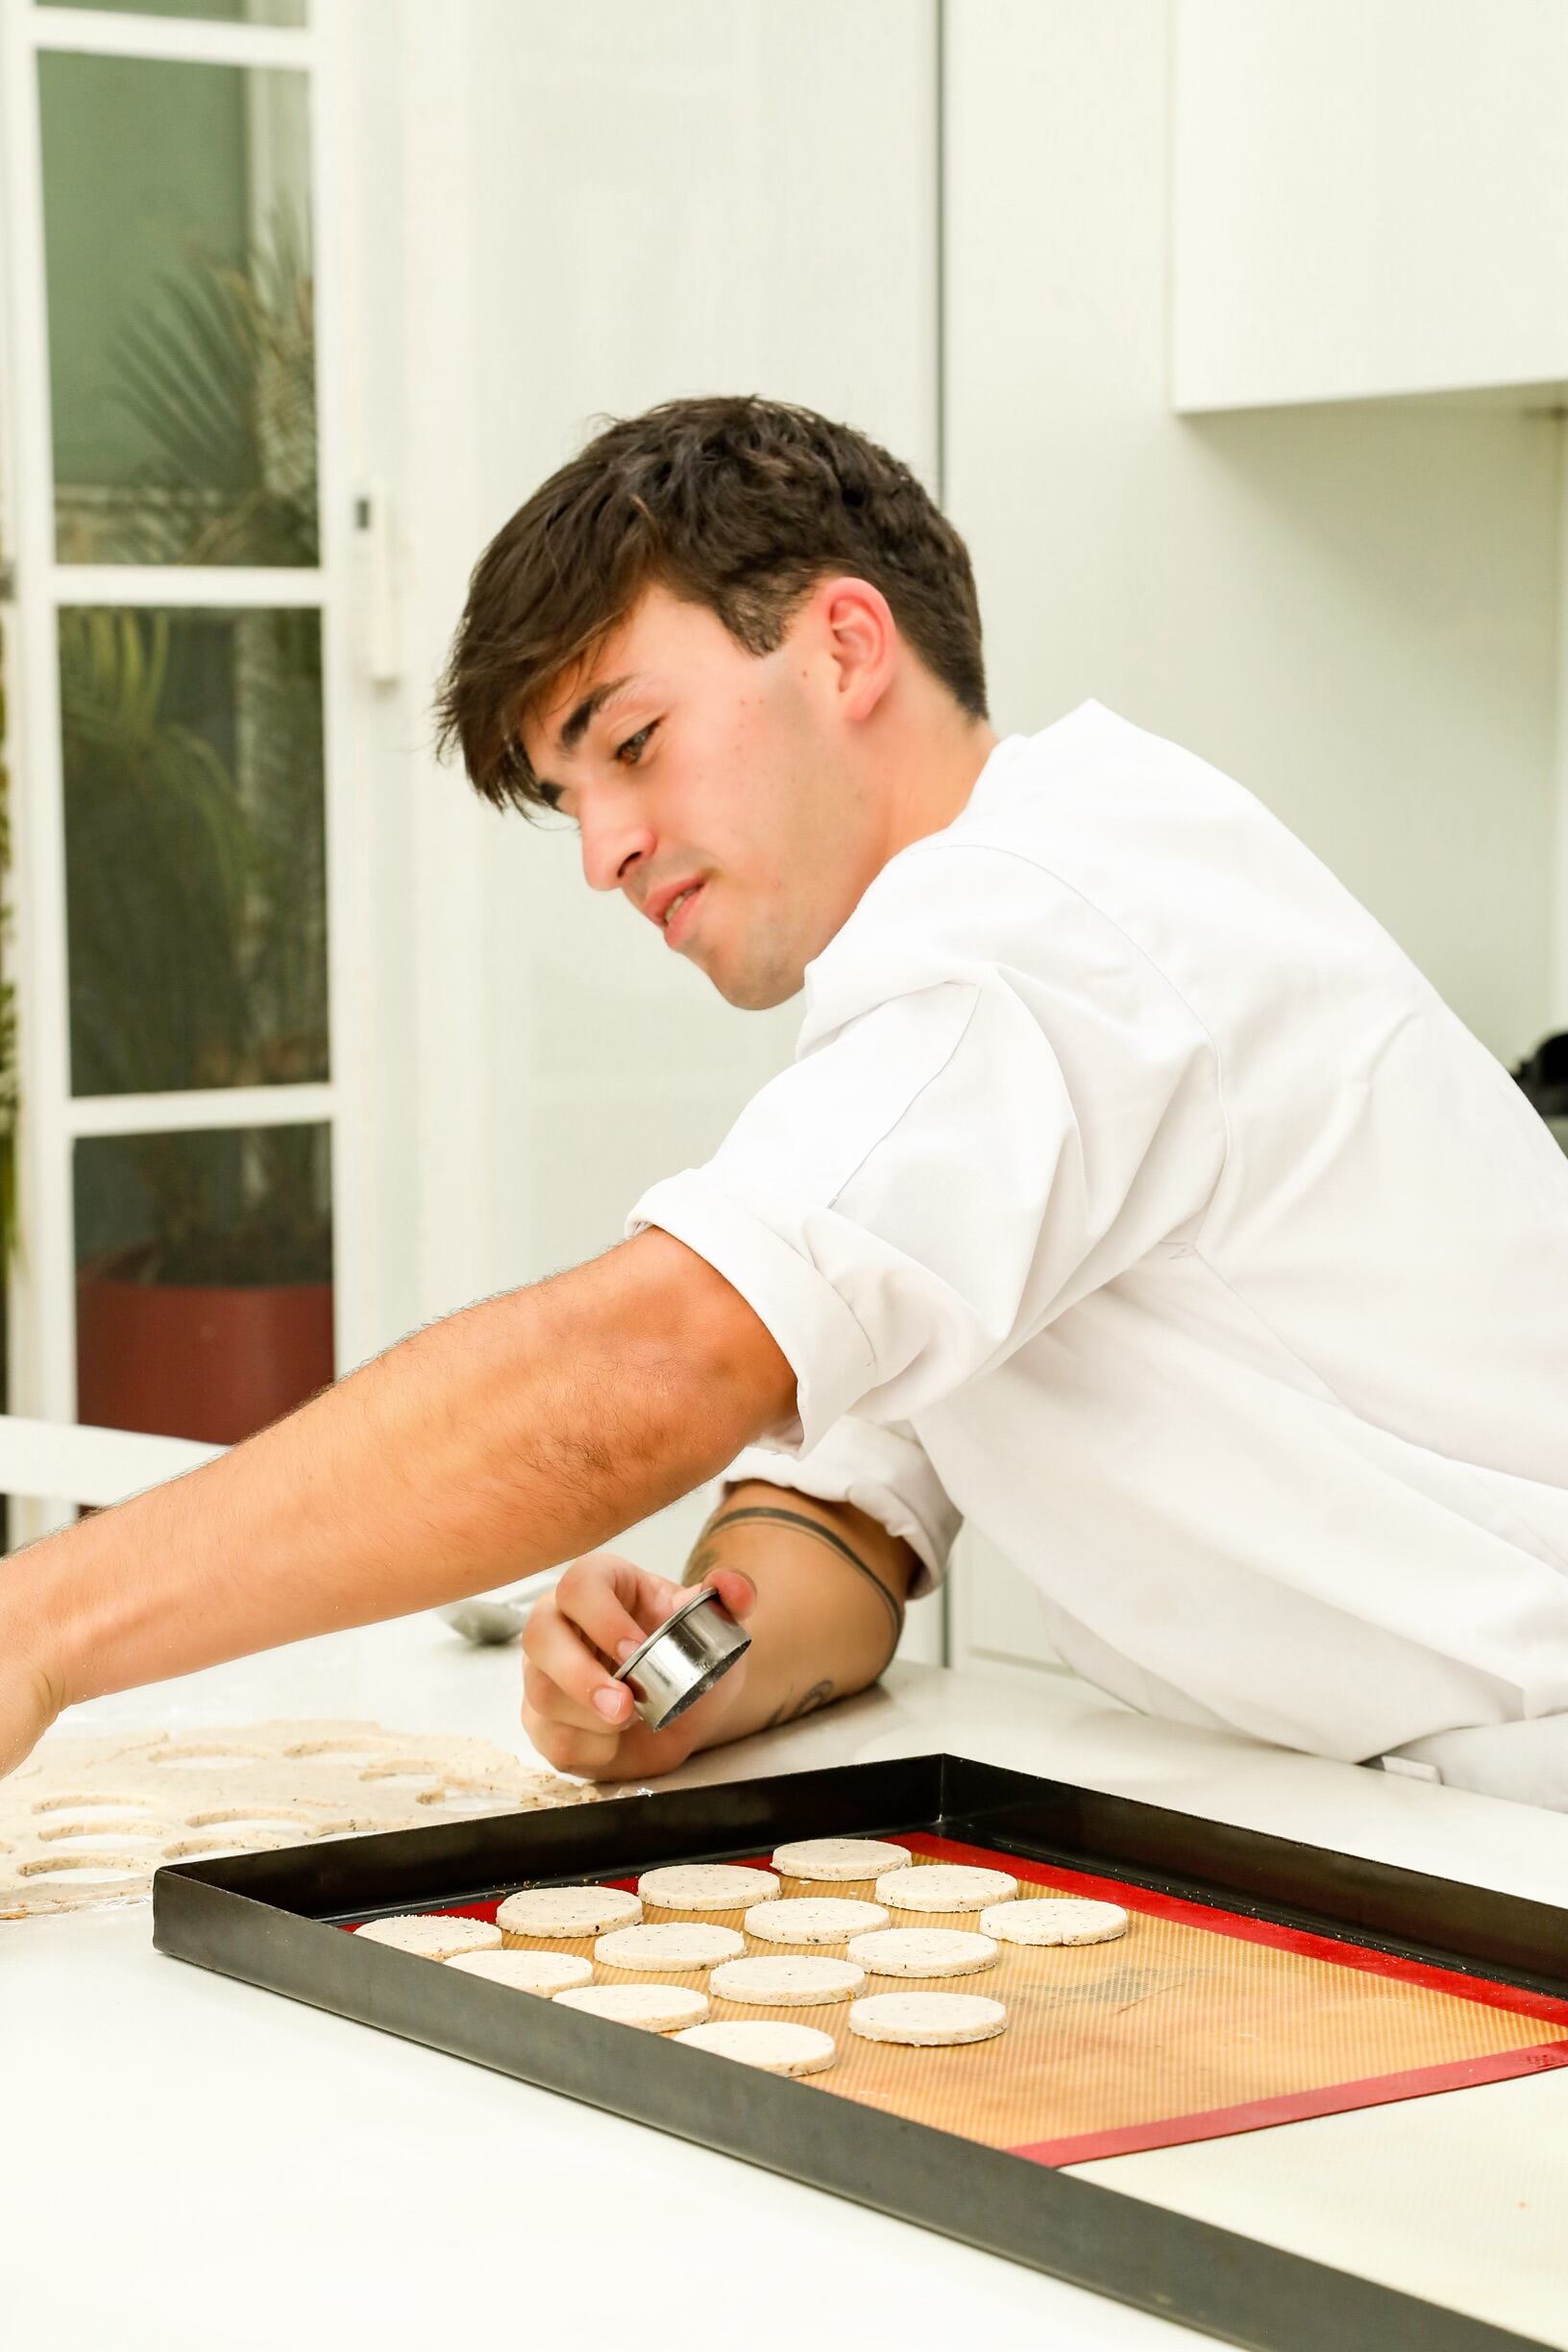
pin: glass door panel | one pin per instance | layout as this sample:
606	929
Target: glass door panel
195	848
182	350
204	1278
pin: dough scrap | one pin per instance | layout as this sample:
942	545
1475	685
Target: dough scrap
331	1778
944	1886
839	1858
926	2021
1055	1919
924	1951
812	1919
567	1911
656	2008
528	1971
792	1981
678	1946
776	2049
707	1886
431	1935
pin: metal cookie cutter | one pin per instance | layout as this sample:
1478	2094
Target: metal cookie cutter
682	1658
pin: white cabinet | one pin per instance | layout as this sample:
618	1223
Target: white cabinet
1370	199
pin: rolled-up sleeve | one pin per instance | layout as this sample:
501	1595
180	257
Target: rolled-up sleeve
986	1119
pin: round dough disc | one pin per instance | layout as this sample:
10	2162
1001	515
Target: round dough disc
927	2018
568	1911
792	1981
944	1886
707	1886
650	1951
432	1935
1055	1919
923	1951
839	1858
656	2008
812	1919
528	1971
778	2049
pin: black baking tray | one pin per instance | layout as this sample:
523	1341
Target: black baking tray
275	1920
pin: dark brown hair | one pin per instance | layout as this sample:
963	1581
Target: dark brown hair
738	503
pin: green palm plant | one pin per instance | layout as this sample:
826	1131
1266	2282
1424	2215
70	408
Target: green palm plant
192	751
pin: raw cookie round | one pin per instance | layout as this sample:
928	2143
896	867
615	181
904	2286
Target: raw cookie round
707	1886
944	1886
1055	1919
839	1858
792	1981
567	1911
927	2018
778	2049
924	1951
431	1935
650	1951
812	1919
658	2008
528	1971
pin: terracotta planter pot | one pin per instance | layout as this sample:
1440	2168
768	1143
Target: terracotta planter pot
192	1360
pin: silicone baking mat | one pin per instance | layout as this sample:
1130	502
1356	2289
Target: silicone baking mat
1197	2022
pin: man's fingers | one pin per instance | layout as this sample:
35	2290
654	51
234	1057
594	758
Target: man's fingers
570	1751
616	1602
543	1697
735	1591
558	1649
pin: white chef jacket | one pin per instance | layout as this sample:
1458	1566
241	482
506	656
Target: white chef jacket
1134	1197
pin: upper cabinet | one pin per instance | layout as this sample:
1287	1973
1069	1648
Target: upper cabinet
1371	200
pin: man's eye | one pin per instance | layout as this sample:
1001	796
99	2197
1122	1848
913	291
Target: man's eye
634	744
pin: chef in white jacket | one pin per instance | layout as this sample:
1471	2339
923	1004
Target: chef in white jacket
1131	1196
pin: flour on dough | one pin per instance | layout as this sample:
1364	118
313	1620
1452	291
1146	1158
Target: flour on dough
812	1919
656	2008
927	2019
777	2049
1055	1919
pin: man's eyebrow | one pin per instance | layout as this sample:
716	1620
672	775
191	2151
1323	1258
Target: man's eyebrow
576	726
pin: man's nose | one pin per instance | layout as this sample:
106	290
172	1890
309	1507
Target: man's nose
613	840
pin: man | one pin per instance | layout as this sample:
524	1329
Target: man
1131	1194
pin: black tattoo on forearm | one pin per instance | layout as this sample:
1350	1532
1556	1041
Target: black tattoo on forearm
706	1556
788	1711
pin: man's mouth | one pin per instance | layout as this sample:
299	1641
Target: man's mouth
679	914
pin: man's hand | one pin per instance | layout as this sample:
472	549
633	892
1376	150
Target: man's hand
822	1588
577	1715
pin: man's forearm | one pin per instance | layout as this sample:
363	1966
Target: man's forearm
830	1585
513	1436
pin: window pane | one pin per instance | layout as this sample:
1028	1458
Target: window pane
182	352
204	1279
195	848
232	12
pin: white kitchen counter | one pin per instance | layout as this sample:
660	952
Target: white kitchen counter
187	2162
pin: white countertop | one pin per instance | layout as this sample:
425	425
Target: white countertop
186	2161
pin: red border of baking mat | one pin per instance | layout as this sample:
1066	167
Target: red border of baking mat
1289	2107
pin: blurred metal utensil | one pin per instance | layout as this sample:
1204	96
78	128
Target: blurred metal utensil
495	1618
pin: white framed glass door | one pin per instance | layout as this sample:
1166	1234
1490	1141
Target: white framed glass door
180	901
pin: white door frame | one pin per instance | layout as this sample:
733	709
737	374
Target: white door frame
43	1279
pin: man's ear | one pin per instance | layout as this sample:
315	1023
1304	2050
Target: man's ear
862	639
